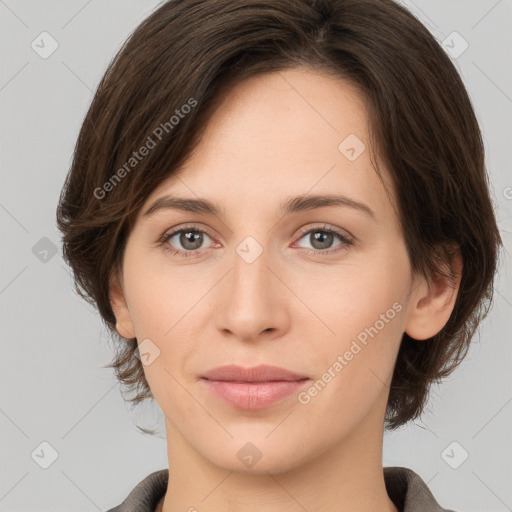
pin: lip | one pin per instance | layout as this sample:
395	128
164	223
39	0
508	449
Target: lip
253	388
260	373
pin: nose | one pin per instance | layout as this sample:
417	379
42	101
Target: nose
252	301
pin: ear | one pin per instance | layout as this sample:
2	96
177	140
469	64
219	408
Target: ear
433	302
124	325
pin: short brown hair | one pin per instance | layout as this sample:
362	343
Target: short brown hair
422	126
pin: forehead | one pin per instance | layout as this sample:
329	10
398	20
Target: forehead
283	133
286	115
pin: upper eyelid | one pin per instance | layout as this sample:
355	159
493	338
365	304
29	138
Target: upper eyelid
302	231
326	227
174	231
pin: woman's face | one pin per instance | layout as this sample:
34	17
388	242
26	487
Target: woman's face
322	289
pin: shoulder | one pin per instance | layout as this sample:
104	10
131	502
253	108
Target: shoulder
409	492
145	496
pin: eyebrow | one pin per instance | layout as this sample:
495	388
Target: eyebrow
292	205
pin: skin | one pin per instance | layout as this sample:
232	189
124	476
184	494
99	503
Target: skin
276	136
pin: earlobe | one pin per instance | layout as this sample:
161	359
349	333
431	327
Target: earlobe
433	302
124	325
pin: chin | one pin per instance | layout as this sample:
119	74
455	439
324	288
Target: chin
252	455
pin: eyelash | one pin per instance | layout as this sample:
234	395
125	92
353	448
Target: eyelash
345	241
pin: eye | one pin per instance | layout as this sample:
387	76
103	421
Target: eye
188	240
184	242
321	239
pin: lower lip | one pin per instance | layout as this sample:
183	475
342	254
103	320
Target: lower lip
254	395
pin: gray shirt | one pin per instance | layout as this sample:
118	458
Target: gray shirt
405	488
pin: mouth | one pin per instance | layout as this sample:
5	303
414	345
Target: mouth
253	388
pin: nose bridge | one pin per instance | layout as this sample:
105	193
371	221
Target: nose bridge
250	273
251	303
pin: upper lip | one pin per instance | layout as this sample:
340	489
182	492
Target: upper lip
261	373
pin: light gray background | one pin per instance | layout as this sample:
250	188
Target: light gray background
53	344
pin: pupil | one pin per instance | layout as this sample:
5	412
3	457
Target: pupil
321	238
193	238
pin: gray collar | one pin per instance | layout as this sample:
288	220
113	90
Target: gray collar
405	488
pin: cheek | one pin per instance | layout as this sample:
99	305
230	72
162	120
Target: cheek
161	297
167	306
360	310
350	300
353	367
